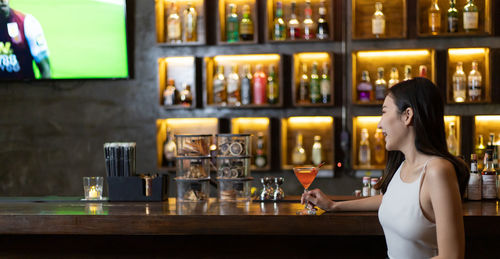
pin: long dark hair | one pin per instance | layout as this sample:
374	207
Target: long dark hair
428	120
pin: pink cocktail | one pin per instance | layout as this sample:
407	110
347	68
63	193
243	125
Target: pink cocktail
306	176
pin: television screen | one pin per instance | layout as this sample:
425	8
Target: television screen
63	39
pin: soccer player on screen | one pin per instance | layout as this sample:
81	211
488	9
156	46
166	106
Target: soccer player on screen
21	41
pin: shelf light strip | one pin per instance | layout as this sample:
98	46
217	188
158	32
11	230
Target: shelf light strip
393	53
368	119
312	119
243	58
471	51
488	118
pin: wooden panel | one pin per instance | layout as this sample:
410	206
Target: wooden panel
182	126
395	18
370	123
223	10
270	13
482	56
252	125
181	70
309	127
423	30
308	58
162	10
228	61
371	60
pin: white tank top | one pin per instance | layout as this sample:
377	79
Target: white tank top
408	233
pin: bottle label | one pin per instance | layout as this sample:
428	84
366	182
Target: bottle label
325	88
489	186
378	26
474	93
245	91
474	187
174	29
366	191
434	21
189	26
246	28
471	20
259	90
374	192
364	86
380	92
364	152
218	92
452	24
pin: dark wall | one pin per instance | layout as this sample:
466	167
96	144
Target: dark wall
52	132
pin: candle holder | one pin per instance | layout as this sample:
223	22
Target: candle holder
92	187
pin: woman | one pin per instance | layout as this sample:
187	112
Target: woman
420	205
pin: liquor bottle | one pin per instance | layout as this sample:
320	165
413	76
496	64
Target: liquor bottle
366	186
364	155
378	21
488	177
317	151
219	87
471	17
394	77
434	18
272	86
259	85
408	75
169	150
474	185
480	150
308	23
323	28
174	25
303	91
373	182
379	147
185	96
422	71
459	83
190	24
293	24
491	146
325	85
246	85
233	87
298	153
246	24
380	85
170	93
451	140
452	17
279	23
365	88
315	92
232	24
260	153
474	83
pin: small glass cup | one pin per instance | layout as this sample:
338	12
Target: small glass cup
92	187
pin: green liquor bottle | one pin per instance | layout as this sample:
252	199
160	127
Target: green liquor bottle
232	24
279	32
452	17
471	17
272	86
246	24
315	92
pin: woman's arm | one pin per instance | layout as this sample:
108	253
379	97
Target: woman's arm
318	198
447	206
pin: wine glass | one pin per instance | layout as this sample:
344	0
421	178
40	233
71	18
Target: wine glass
306	176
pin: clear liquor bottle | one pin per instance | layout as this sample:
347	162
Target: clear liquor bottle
246	24
451	140
323	28
325	85
279	23
174	25
380	85
394	77
293	23
317	151
315	92
471	17
366	191
233	87
365	88
170	93
459	84
378	21
232	24
434	18
272	86
246	85
364	154
303	91
219	87
474	83
452	17
308	24
190	16
480	149
474	185
407	74
379	147
299	153
169	149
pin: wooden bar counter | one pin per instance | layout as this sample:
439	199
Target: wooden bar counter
148	228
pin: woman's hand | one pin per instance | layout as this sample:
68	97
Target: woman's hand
317	198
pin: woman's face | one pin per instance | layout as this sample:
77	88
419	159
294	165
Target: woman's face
392	125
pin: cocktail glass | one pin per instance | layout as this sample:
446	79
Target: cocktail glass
306	176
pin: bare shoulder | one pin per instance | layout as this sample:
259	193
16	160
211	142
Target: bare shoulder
440	169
